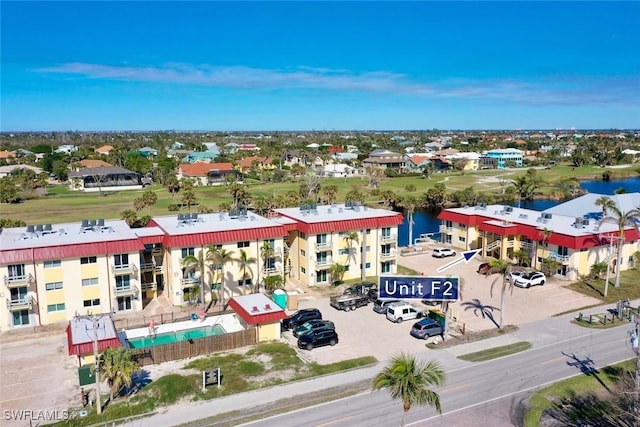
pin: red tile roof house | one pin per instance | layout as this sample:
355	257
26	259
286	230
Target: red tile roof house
105	149
261	162
205	173
260	311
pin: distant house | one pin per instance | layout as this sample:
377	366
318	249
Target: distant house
212	147
338	170
104	178
67	149
295	157
206	173
261	163
505	157
7	155
148	152
89	163
385	159
21	152
248	147
343	157
104	150
417	162
7	170
199	157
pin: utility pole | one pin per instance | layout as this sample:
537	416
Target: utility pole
606	281
635	336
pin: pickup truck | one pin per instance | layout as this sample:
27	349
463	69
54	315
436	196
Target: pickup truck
349	302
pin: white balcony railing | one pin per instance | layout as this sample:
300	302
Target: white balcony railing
125	290
560	258
324	245
445	229
25	303
388	238
150	266
120	269
190	282
19	281
271	271
149	286
387	255
324	262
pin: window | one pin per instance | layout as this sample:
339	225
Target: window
52	308
303	270
303	252
271	242
368	249
90	282
124	303
17	272
123	282
121	260
462	226
188	252
91	302
88	260
386	267
342	234
53	286
461	239
302	235
343	251
367	265
52	264
368	231
243	244
386	232
20	318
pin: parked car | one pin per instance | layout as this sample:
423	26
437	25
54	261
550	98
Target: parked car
299	317
312	325
318	338
381	305
426	328
443	252
515	274
486	269
401	312
528	280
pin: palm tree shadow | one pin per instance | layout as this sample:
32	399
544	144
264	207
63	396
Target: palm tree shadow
481	310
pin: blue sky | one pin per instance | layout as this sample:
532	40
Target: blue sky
233	66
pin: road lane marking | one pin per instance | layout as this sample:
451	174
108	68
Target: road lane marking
557	359
334	421
458	387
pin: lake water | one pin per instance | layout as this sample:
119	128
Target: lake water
427	222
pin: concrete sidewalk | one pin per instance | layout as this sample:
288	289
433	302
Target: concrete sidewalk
538	333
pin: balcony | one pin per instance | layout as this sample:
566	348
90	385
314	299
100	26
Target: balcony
149	286
120	291
564	259
271	271
190	282
387	255
445	229
388	238
19	281
321	262
150	266
25	303
121	269
526	245
324	246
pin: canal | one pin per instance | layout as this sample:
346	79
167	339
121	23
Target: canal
427	222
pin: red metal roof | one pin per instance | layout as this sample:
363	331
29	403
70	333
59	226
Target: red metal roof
148	240
257	318
218	237
350	224
87	347
70	251
501	229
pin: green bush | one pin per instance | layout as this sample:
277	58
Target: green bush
173	207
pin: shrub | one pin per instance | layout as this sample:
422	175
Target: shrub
173	207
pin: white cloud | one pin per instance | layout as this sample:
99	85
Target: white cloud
555	91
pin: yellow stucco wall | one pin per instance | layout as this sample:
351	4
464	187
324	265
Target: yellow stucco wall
269	332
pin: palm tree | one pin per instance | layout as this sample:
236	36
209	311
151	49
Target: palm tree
222	257
337	273
411	204
192	262
622	220
409	380
503	268
266	253
245	261
349	238
117	367
606	203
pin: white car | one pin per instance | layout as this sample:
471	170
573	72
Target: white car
443	252
515	274
530	279
400	312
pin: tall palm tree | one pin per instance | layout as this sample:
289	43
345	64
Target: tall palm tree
117	367
350	238
337	273
409	380
266	253
606	203
503	269
198	263
222	257
245	262
410	204
622	220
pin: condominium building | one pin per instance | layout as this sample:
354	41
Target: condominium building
53	272
362	239
572	233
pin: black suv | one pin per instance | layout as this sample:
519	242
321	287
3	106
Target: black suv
318	338
299	317
369	289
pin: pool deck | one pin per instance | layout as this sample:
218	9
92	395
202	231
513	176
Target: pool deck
229	322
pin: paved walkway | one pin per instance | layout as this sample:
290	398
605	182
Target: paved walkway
538	333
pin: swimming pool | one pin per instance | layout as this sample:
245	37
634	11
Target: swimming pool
177	336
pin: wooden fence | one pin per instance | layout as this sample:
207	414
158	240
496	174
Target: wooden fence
196	347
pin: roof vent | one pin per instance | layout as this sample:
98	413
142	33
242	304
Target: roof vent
508	209
254	309
267	307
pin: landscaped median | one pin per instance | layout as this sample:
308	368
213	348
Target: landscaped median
265	365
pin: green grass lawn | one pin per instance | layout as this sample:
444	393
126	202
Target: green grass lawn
628	289
495	352
580	384
265	365
69	206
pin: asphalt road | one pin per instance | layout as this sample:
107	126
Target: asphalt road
472	386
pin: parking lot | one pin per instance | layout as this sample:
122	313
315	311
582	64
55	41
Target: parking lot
366	333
